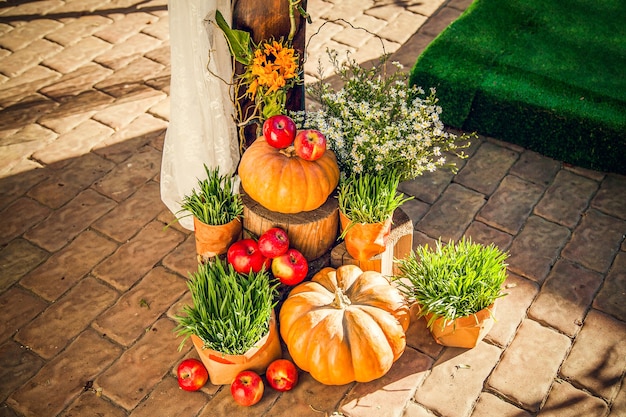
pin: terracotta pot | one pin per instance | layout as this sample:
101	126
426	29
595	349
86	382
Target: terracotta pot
213	241
224	368
365	240
464	332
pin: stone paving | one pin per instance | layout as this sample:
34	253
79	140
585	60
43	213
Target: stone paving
90	280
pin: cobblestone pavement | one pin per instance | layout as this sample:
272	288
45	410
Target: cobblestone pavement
83	111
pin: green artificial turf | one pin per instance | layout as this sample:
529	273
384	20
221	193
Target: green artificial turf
549	75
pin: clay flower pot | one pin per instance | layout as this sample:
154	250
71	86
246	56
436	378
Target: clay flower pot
365	240
212	240
224	368
464	332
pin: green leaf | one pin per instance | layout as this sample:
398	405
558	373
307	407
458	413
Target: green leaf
238	40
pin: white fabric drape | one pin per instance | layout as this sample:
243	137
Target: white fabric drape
201	128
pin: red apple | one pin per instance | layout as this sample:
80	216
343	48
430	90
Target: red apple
244	255
282	375
273	242
247	388
192	375
291	267
310	144
279	131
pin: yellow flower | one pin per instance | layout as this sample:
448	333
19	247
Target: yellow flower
252	88
273	64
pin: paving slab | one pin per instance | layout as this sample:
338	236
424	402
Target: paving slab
566	401
50	332
132	214
79	81
31	213
596	241
138	256
481	233
597	360
610	197
17	258
491	405
158	347
138	308
565	297
89	402
566	199
535	167
86	357
18	307
487	168
65	268
63	225
73	143
610	299
450	216
535	249
169	400
511	204
528	367
63	185
512	309
19	365
457	379
387	396
619	405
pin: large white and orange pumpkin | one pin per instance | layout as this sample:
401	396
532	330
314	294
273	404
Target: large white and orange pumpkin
283	182
345	325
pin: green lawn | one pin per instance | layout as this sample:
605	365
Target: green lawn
549	75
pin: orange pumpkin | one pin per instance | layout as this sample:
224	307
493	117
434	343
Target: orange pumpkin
345	325
281	181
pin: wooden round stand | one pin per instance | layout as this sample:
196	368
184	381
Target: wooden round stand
311	232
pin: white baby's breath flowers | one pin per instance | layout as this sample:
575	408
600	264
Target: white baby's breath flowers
378	124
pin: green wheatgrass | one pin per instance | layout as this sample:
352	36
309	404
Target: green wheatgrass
214	202
231	311
370	198
453	280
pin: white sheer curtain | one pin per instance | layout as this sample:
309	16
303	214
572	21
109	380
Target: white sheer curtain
201	128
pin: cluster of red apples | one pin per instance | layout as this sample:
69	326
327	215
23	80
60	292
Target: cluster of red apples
273	252
247	388
280	132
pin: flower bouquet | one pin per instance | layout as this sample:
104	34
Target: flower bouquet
271	68
378	124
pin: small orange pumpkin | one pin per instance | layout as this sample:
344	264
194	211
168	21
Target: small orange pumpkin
345	325
281	181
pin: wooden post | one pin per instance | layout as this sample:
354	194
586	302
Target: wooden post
265	19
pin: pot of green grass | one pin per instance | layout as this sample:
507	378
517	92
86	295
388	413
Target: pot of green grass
217	211
231	323
455	287
366	206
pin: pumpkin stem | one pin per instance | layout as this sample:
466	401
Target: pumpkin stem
341	300
289	151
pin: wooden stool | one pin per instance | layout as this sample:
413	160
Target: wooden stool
311	232
399	245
